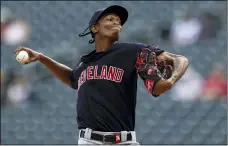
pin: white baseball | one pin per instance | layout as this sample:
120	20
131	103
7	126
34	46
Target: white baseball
22	56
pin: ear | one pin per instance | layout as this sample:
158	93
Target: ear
94	29
120	28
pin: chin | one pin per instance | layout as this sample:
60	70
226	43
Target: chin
115	36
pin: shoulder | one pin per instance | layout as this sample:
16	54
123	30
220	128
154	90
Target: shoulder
137	47
131	45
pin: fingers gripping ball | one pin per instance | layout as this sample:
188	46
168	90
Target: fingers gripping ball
22	57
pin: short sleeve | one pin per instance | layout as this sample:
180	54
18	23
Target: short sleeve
144	49
153	48
74	76
157	50
74	79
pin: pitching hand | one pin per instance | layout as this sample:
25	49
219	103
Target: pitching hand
33	55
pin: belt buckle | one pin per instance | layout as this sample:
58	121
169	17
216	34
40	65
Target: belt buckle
104	138
116	140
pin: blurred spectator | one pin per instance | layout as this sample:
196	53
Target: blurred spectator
163	29
2	85
185	30
211	24
1	78
18	91
188	87
214	85
6	78
14	89
14	31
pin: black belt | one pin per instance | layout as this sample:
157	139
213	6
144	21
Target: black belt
106	138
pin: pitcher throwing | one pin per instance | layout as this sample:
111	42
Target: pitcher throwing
106	78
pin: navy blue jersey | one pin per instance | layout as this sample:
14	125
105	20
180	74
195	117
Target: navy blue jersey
107	86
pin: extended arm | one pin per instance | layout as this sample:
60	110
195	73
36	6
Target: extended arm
60	71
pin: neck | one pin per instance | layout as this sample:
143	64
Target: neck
103	44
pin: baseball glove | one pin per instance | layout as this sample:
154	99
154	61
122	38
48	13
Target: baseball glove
165	69
146	65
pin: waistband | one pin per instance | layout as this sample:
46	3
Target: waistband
121	136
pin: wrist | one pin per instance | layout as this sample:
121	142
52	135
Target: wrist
40	57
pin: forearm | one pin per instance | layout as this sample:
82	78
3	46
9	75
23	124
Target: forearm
180	65
60	71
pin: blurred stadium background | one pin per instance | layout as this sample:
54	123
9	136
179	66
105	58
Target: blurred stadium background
37	109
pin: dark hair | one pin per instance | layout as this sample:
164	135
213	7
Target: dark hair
92	40
90	32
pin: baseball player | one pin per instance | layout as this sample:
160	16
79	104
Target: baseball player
106	78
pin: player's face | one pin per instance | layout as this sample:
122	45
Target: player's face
109	26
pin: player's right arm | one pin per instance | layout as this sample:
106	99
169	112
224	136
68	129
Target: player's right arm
60	71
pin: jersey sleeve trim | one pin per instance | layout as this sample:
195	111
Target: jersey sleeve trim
73	80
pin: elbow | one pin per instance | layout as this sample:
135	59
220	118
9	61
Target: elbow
185	61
